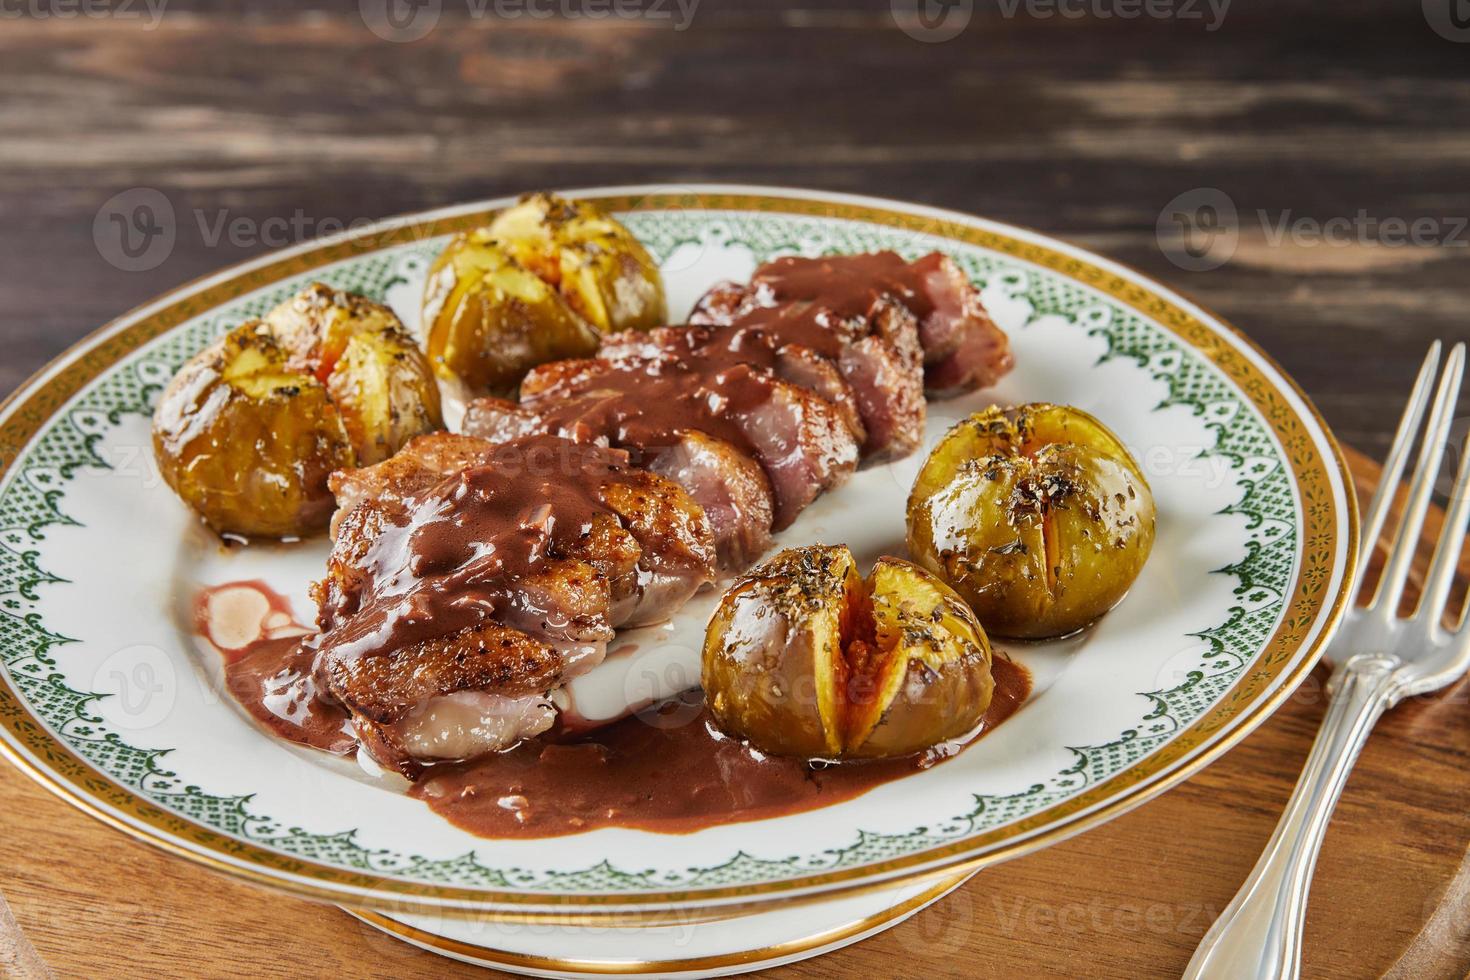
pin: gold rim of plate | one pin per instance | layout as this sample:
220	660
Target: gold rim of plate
1310	609
758	958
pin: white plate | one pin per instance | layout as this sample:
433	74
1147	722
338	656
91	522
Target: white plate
685	950
109	699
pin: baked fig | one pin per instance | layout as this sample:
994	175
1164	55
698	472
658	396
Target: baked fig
1038	516
249	429
593	261
545	280
372	367
247	441
804	657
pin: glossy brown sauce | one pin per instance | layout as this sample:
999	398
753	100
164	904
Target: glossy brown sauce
714	376
452	559
650	403
455	557
667	769
272	680
815	302
267	664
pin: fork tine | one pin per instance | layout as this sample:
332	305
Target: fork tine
1451	542
1406	541
1398	456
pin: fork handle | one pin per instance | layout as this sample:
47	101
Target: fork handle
1259	935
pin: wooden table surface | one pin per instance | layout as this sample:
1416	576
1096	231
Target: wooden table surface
1320	124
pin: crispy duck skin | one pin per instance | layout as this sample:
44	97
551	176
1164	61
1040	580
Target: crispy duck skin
423	462
651	542
500	578
382	689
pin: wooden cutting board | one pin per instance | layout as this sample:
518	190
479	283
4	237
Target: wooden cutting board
1130	899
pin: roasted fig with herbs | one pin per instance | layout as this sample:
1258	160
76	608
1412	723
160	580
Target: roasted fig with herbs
375	372
247	441
1038	516
546	280
805	657
249	430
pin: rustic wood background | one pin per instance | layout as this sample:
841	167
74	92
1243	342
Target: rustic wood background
1084	128
260	122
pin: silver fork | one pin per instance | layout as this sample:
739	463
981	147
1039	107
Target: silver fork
1378	660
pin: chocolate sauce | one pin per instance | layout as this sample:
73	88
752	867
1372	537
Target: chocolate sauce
669	771
650	403
716	376
817	302
267	664
457	554
963	349
272	680
665	769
